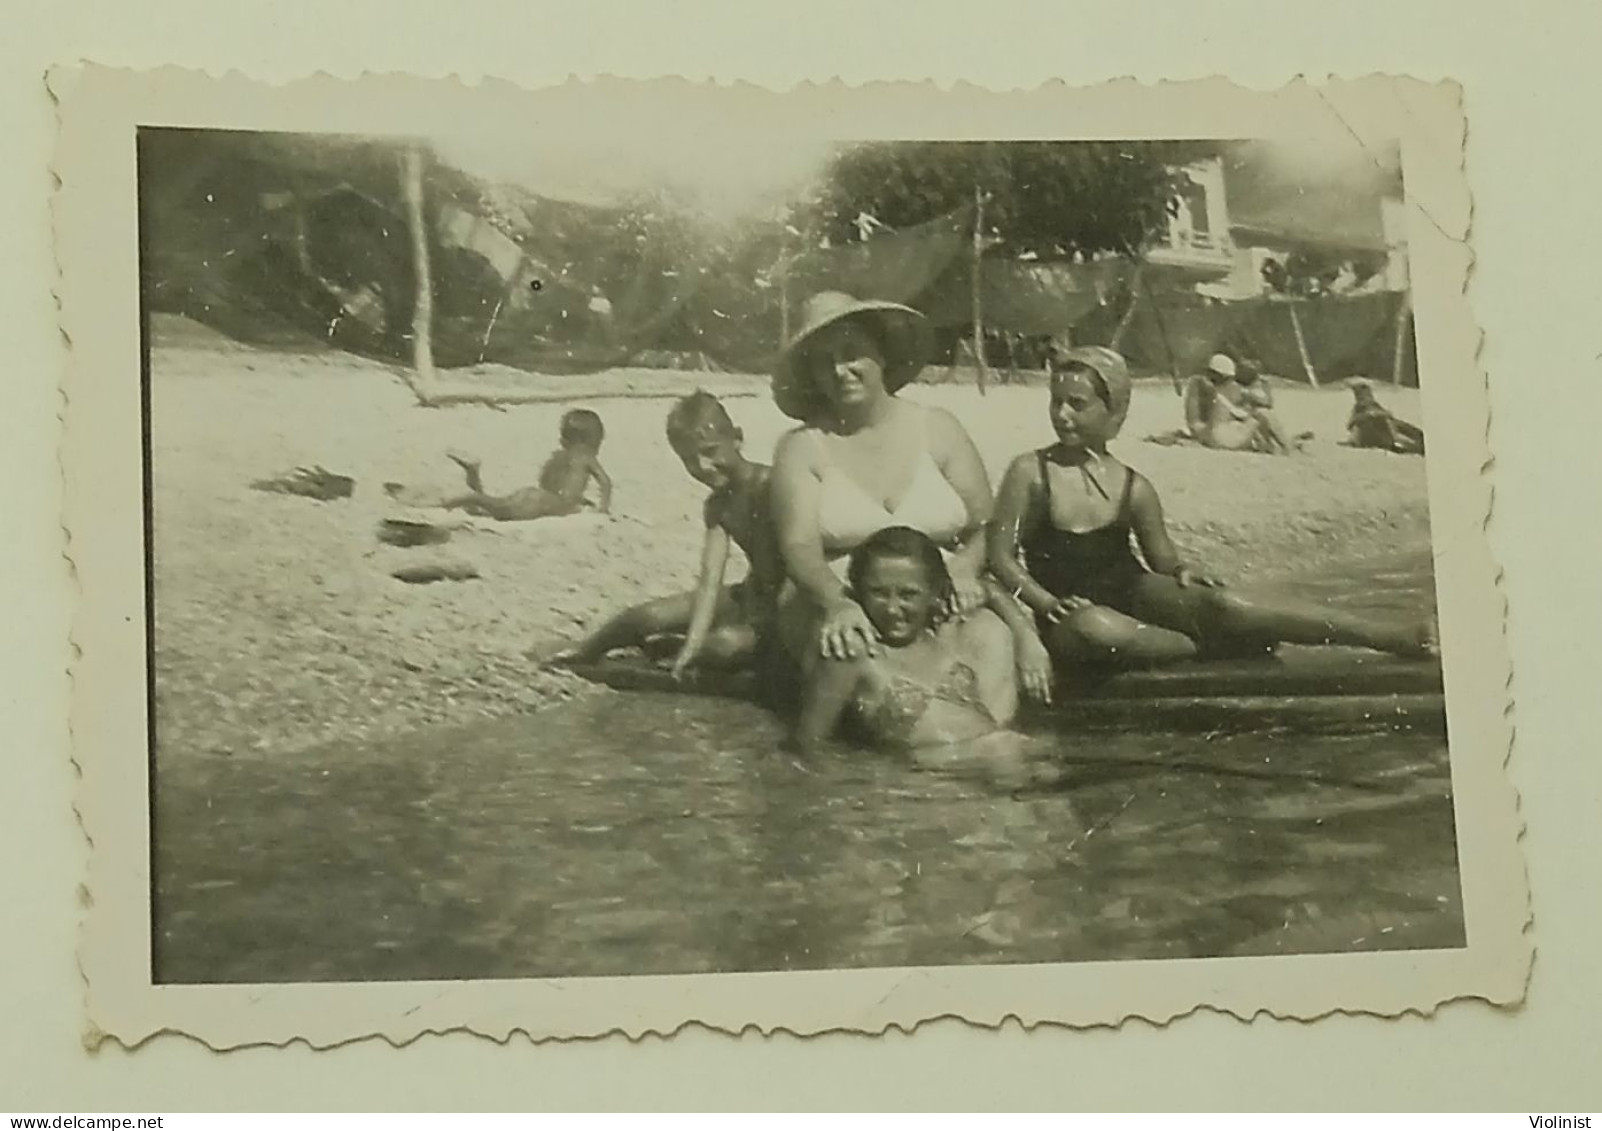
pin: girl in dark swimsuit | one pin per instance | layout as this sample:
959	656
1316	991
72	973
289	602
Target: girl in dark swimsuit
1068	519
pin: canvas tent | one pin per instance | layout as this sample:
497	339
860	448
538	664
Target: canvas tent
1175	332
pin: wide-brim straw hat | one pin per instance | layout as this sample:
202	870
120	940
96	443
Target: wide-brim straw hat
903	333
1106	363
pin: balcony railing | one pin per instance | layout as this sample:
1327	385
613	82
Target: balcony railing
1201	245
1201	251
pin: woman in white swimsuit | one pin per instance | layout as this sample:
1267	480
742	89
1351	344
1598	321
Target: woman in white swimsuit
863	460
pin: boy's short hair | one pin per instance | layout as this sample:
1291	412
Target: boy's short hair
581	426
698	413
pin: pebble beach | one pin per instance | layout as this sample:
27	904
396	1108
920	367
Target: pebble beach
280	625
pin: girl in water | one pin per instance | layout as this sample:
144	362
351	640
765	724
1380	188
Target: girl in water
1068	519
943	689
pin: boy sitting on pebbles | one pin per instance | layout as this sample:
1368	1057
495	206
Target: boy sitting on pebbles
725	624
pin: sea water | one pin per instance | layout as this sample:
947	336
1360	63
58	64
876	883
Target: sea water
652	833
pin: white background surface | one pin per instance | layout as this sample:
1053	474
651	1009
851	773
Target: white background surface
1534	87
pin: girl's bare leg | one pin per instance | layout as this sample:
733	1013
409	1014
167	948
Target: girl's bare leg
1221	616
1004	759
1103	636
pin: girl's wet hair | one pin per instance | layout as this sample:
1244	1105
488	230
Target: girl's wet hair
909	544
581	426
698	414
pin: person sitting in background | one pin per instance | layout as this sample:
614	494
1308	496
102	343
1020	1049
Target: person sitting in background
563	480
1372	425
1254	391
723	624
1258	396
1223	413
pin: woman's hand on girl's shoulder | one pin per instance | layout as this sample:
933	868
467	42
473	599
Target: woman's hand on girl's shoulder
846	632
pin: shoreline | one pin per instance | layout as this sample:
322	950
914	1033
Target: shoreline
279	626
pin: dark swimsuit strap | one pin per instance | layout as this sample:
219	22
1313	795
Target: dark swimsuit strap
1124	503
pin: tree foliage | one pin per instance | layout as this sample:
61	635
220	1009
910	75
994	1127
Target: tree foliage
1045	199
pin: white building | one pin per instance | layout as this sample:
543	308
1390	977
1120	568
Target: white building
1222	254
1198	242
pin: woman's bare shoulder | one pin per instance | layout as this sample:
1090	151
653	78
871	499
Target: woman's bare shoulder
942	424
796	448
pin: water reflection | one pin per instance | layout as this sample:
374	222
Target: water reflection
656	834
662	834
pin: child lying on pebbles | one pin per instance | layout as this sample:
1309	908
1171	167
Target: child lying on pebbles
563	480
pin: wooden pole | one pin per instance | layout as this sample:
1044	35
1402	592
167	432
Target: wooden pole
784	299
1129	312
423	380
978	288
1301	345
1403	309
1162	331
956	360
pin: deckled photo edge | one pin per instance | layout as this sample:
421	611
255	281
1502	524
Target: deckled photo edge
103	468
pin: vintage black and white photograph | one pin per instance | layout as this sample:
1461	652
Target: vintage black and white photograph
656	552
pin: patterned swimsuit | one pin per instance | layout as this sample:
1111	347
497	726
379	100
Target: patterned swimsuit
892	714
